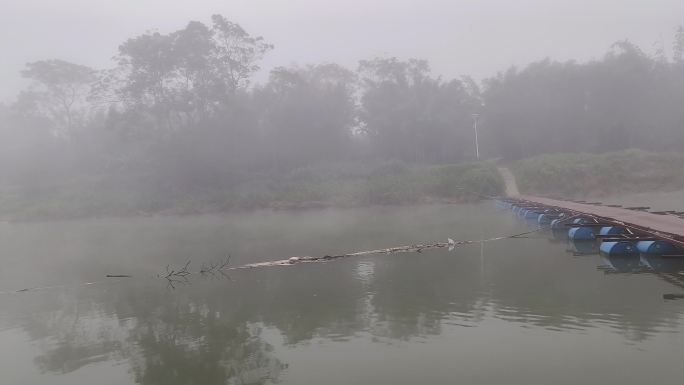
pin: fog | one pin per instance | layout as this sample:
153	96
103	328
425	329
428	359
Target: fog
118	108
331	192
474	37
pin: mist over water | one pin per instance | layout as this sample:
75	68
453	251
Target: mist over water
407	318
301	192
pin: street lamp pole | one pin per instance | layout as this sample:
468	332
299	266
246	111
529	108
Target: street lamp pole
477	144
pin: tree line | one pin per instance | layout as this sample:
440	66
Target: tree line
628	99
181	109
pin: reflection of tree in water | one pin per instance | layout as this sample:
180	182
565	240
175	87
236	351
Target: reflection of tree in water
220	353
171	340
412	298
208	332
321	300
72	352
71	331
397	299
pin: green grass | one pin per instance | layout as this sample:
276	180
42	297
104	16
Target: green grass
328	185
596	175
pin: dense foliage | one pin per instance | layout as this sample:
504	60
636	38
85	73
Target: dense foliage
626	100
338	185
179	116
595	175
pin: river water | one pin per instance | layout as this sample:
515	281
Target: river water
515	311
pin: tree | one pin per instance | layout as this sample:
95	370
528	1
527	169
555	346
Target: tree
60	91
678	45
184	77
626	99
307	114
412	116
235	53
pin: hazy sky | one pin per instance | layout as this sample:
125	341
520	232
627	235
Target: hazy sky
476	37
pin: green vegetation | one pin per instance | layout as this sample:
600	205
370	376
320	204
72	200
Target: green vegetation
179	126
585	175
339	184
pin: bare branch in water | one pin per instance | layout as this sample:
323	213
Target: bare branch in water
215	267
177	276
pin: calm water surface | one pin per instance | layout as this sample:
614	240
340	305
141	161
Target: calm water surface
517	311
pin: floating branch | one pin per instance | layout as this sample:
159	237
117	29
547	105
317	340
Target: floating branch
212	269
170	273
308	259
415	248
215	267
176	276
180	276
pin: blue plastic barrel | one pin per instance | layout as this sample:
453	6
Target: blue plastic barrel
557	224
656	247
545	219
532	215
584	246
618	248
612	230
581	233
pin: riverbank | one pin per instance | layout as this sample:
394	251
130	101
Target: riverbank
328	185
579	176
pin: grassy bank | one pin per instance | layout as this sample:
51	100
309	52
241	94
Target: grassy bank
589	175
333	185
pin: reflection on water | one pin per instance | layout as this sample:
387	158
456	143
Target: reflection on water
621	264
584	247
430	317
